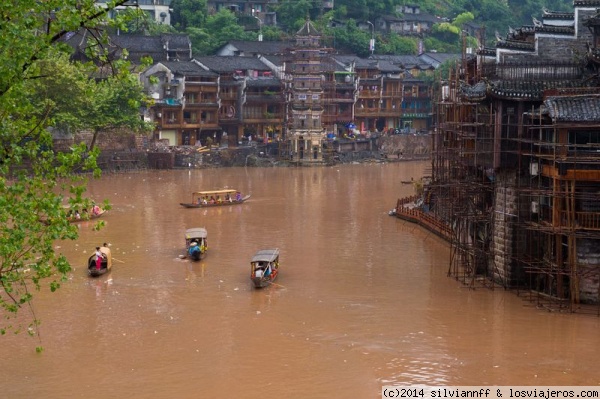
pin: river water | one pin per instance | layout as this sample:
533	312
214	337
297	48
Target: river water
362	299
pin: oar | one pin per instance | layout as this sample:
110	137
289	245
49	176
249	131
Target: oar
118	260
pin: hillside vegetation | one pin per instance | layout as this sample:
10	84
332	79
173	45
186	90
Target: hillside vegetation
208	32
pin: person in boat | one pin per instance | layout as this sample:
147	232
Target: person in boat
77	215
238	196
95	210
212	200
194	249
258	272
219	199
99	257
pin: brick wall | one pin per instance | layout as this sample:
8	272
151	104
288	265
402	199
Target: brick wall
505	207
120	140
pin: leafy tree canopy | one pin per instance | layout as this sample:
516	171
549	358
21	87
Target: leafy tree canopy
42	90
492	15
188	14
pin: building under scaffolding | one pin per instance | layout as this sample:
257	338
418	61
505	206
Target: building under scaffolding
516	162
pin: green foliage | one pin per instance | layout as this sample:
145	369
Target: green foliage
137	21
188	14
217	30
191	16
434	44
41	90
291	14
362	10
396	44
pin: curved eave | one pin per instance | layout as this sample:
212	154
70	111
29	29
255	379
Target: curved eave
520	46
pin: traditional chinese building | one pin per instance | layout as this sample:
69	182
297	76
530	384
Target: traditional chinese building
516	162
304	91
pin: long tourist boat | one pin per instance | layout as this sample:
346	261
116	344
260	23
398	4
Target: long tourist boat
206	199
105	265
195	243
264	267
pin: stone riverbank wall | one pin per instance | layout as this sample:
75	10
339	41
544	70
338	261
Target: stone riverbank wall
125	151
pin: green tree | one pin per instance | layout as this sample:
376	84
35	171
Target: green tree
396	44
73	99
35	181
217	30
188	14
140	22
292	14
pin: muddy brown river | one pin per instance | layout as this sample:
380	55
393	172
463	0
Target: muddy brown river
362	299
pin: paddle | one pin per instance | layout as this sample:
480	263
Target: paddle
117	260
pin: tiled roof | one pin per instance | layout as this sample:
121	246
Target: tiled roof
435	59
275	59
308	29
138	46
389	67
556	30
176	41
475	92
263	82
586	3
527	90
231	64
187	68
405	61
515	45
256	47
328	64
138	42
558	15
487	51
574	108
359	63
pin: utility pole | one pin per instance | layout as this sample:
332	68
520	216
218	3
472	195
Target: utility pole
260	35
372	41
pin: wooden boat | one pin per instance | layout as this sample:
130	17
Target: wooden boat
206	199
195	243
106	264
264	267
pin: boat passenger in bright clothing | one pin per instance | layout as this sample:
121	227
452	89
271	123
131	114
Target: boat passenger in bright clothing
99	257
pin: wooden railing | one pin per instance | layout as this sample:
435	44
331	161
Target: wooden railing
426	220
583	220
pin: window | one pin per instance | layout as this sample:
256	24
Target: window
584	141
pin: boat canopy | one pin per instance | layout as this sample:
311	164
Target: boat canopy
196	232
215	192
106	251
266	255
